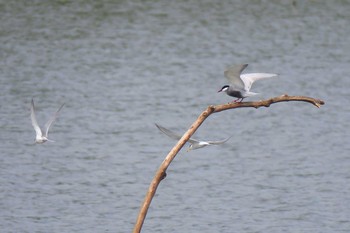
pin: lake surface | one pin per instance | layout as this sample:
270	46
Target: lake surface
121	66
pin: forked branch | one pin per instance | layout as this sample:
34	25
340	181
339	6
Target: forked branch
161	172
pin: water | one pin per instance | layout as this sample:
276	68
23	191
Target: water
121	66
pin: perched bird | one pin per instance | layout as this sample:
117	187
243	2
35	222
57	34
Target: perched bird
240	84
40	137
194	144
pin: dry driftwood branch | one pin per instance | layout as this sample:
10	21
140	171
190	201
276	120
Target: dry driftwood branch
161	172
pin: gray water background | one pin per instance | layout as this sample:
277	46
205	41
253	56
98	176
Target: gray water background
121	66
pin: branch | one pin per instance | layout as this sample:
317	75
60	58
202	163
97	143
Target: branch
268	102
161	172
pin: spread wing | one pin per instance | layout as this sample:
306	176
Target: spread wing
34	121
249	79
219	142
233	74
51	120
173	135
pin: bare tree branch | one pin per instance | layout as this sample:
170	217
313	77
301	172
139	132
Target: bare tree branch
161	172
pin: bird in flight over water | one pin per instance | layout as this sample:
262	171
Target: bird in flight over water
194	144
240	84
42	136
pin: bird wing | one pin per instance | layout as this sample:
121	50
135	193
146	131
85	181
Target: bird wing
51	120
233	75
34	121
249	79
173	135
218	142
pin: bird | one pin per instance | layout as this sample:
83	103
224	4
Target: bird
240	84
42	136
194	144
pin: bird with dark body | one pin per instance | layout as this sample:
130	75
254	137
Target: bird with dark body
240	84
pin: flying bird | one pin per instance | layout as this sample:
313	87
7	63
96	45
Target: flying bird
240	84
194	144
42	136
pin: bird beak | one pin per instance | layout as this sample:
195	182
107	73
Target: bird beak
220	90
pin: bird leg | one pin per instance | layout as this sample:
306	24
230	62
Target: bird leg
236	101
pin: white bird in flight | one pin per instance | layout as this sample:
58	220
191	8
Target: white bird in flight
240	84
40	137
194	144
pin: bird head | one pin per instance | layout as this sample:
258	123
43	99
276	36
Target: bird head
224	88
190	148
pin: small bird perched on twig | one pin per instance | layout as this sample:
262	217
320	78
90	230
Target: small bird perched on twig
240	84
194	144
40	137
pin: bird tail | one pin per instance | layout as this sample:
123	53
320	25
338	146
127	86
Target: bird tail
250	93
